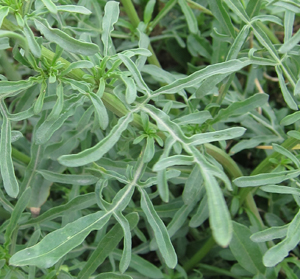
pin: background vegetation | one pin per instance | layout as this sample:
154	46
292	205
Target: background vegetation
149	139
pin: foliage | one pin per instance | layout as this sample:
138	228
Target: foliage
113	166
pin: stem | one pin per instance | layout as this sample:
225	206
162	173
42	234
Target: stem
199	7
20	156
208	245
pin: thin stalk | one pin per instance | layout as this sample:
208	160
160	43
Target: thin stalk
208	245
199	7
20	156
170	4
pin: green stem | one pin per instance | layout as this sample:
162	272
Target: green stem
170	4
208	245
20	156
199	7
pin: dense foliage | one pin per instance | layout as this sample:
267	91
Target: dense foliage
149	139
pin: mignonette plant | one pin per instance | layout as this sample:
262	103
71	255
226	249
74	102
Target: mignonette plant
149	139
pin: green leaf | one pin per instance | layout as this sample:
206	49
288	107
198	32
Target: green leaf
46	130
189	16
227	67
10	182
78	203
241	107
290	43
64	40
111	15
111	275
141	265
253	8
32	43
74	9
59	104
289	18
11	88
173	161
96	152
82	64
287	154
290	119
201	214
106	246
238	9
148	11
50	6
126	256
16	215
100	110
226	134
130	93
222	16
160	232
59	242
135	73
4	10
38	105
270	234
285	92
193	186
265	178
277	253
246	252
78	179
199	118
281	190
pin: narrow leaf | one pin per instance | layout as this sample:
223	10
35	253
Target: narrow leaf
64	40
4	10
270	234
100	110
265	178
111	15
16	215
246	252
216	69
95	153
130	93
32	43
106	246
189	16
74	9
160	232
50	6
78	179
173	161
58	243
10	182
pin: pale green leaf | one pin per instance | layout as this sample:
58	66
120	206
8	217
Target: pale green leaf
10	182
265	178
148	11
100	110
246	252
74	9
78	179
111	15
270	234
32	43
160	232
59	242
64	40
4	10
50	6
106	246
96	152
189	16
